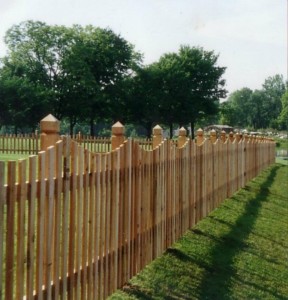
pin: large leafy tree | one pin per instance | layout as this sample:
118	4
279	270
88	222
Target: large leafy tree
256	109
23	103
180	88
77	67
283	117
192	85
236	111
274	88
105	61
144	106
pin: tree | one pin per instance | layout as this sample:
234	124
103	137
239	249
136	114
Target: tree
283	117
192	85
240	107
106	60
22	102
257	109
78	67
274	88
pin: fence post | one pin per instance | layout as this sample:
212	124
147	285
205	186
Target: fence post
117	137
213	136
182	137
200	137
157	136
50	128
223	136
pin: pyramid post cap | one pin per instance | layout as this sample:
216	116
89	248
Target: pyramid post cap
118	128
157	130
50	124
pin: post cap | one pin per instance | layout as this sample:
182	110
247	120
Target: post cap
50	124
118	128
157	130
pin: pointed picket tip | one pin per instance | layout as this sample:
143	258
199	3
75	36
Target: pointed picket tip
182	131
200	131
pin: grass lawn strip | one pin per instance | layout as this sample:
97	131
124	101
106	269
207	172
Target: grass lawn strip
238	252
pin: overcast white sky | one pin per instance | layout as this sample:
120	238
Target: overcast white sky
250	36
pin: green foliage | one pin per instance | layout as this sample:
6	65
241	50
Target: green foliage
180	88
255	109
87	75
283	117
73	71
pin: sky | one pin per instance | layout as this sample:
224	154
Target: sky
250	37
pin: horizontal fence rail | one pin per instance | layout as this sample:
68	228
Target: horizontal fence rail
79	224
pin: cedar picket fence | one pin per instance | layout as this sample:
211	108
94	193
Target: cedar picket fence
81	224
20	143
30	143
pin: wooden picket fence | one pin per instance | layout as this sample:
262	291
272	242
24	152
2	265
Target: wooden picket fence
30	143
93	143
79	225
20	143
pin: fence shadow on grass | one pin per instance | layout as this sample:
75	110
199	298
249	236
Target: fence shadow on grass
219	273
217	281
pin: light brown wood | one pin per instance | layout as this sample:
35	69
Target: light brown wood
31	227
57	217
96	219
20	275
40	225
49	221
2	204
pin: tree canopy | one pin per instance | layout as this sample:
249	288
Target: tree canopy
256	109
88	74
180	88
74	68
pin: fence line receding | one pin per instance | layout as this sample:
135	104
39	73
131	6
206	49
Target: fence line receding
80	224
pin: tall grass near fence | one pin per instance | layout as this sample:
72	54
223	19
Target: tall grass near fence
81	224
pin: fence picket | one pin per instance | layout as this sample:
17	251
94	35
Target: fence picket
57	217
85	229
10	235
65	216
2	204
20	275
31	227
72	220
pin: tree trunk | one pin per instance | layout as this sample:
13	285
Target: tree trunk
72	124
92	132
192	124
171	130
148	127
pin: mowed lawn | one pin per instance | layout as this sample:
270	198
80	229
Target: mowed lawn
240	251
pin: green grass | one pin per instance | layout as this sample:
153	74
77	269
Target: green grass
238	252
281	144
7	157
